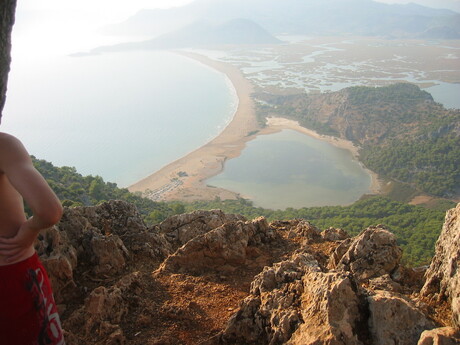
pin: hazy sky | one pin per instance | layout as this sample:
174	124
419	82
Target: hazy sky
46	27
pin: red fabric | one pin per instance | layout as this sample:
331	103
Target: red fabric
28	314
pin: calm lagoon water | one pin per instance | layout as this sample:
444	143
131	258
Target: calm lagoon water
121	116
290	169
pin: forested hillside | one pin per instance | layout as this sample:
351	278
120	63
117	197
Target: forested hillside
416	228
403	134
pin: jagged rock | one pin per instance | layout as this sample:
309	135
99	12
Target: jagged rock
59	259
443	275
293	302
222	247
109	254
102	239
384	283
395	320
112	217
374	252
304	229
180	229
272	312
330	310
102	312
440	336
333	234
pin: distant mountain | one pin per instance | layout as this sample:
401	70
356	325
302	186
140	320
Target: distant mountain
201	34
306	17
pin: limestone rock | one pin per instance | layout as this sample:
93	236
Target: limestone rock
293	302
330	310
395	320
333	234
304	229
443	275
374	252
102	312
109	254
440	336
180	229
384	283
225	246
59	258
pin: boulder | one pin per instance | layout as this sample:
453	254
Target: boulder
440	336
103	310
59	258
443	275
307	231
373	253
395	320
180	229
333	234
294	302
219	248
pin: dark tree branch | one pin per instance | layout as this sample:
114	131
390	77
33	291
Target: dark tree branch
7	11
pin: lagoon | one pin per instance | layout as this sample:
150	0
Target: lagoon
290	169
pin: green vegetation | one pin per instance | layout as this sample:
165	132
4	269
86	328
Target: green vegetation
73	189
416	228
404	135
432	164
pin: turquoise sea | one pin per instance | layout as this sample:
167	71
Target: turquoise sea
121	116
124	116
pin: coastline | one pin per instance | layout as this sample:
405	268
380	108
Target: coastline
184	179
277	124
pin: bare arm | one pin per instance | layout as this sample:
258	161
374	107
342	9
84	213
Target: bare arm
16	164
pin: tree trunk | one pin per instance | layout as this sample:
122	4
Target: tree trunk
7	10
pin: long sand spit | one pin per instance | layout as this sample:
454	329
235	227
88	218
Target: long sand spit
184	179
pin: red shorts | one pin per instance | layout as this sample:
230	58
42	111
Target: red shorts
28	313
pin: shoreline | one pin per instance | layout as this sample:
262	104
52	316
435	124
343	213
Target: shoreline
184	179
277	124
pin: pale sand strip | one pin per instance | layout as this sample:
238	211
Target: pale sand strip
276	124
208	160
169	183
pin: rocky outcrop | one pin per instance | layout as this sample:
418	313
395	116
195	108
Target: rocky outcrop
118	282
94	242
395	320
443	275
440	336
222	249
180	229
372	253
299	302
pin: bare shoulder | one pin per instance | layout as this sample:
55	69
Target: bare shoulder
11	150
8	140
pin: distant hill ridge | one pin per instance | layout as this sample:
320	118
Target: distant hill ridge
237	31
307	17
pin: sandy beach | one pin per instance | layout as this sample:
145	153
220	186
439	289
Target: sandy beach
184	179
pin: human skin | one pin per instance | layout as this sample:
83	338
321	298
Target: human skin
20	181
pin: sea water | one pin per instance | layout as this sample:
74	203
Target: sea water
290	169
121	116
